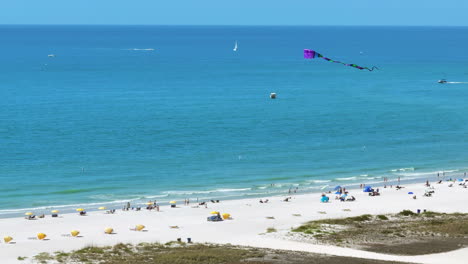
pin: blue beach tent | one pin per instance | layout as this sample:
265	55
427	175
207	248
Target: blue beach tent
367	189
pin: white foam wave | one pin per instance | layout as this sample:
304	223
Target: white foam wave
403	169
233	190
319	181
346	179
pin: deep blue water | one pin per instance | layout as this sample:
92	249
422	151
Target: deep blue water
136	113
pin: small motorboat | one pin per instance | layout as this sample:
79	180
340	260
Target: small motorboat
51	55
442	81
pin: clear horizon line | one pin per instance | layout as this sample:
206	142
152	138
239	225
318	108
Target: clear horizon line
231	25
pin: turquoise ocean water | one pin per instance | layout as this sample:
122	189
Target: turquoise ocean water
136	113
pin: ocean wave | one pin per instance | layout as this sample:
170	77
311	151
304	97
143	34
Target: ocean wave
403	169
346	179
319	181
233	190
72	191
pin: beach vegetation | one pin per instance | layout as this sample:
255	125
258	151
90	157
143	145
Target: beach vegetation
382	217
431	214
155	253
43	257
271	230
414	235
21	258
407	213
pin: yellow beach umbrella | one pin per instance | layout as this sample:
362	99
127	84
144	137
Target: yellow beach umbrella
226	216
54	211
7	239
215	212
28	213
108	230
139	227
41	236
102	208
80	210
75	233
172	202
149	203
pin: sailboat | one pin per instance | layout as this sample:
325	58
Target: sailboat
235	47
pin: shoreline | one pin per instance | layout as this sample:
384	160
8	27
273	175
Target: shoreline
248	227
92	206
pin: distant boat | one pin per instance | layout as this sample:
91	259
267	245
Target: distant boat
442	81
51	55
235	47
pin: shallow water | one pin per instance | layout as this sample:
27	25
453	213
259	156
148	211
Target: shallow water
135	113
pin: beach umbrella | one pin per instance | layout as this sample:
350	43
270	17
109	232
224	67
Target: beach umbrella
28	213
54	211
108	230
102	208
410	193
7	239
215	212
460	179
80	210
139	227
149	203
337	187
226	216
337	193
75	233
172	202
41	236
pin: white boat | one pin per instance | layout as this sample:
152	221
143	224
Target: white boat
51	55
235	47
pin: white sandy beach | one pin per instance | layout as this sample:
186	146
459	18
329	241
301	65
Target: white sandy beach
247	227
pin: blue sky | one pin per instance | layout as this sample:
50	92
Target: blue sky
236	12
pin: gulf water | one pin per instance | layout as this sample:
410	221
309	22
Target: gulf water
137	113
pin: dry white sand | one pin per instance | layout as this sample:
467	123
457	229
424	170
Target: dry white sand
247	227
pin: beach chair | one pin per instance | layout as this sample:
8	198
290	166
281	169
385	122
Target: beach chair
83	213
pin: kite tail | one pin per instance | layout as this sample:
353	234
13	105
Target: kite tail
373	68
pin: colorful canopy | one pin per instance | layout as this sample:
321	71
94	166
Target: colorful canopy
311	54
41	236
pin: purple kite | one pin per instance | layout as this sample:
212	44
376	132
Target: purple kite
311	54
